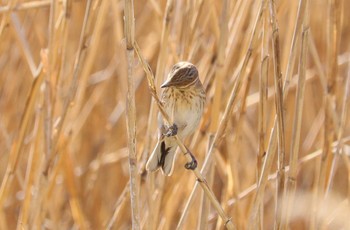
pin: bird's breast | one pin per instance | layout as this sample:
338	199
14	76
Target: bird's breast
185	107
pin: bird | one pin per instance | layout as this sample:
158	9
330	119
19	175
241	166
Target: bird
183	99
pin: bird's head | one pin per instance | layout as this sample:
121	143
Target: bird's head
181	75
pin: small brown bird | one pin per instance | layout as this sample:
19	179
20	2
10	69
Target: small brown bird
183	99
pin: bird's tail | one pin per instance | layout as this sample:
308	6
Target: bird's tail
163	156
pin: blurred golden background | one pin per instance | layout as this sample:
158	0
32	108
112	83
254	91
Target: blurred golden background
63	137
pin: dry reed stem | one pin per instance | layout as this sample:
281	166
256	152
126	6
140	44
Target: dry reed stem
233	184
205	205
262	126
296	35
185	14
48	70
344	157
262	110
131	113
240	14
338	152
31	174
295	142
46	186
288	33
61	61
73	86
330	105
334	31
195	23
219	74
18	142
91	55
118	204
200	178
280	116
272	143
185	210
263	91
6	18
161	63
218	81
295	146
328	131
24	44
339	148
78	214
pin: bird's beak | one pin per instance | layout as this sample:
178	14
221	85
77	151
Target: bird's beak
167	83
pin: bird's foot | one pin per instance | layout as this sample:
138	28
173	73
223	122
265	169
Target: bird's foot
171	131
192	165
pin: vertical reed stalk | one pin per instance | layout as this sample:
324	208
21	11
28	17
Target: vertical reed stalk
334	31
272	146
263	93
117	206
292	177
161	63
219	74
219	77
340	145
346	105
34	163
18	142
73	86
49	71
280	116
328	131
131	113
205	205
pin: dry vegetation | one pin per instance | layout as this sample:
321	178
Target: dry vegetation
275	137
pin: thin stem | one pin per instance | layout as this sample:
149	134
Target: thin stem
272	146
33	166
161	63
280	116
340	132
292	177
18	142
118	204
205	205
328	131
131	113
73	87
335	31
263	95
219	74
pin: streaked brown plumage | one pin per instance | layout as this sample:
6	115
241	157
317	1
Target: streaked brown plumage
183	99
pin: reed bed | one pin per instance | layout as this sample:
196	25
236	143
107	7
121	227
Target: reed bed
79	89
